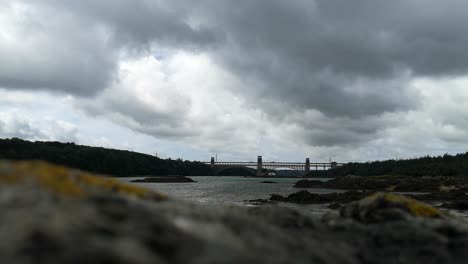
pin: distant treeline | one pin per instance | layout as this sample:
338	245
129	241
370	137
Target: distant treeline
120	163
446	165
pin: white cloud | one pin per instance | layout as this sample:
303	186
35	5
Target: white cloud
185	97
13	124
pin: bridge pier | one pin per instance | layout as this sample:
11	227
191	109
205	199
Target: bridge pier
213	166
307	166
259	166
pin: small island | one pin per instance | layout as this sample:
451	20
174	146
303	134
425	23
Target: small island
164	179
268	182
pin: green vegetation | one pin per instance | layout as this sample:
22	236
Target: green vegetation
120	163
446	165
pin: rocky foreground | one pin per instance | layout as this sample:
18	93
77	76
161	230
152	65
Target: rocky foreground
450	192
390	183
52	214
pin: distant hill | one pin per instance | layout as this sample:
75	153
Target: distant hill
120	163
446	165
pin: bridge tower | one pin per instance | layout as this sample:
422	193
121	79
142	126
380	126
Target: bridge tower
307	166
213	166
259	166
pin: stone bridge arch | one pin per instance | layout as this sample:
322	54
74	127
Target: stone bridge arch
217	171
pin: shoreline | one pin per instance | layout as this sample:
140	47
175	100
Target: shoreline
442	192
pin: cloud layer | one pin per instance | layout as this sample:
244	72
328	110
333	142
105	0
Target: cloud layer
358	80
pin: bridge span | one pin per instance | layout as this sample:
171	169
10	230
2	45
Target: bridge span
261	166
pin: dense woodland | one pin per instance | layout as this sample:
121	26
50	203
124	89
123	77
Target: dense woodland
120	163
127	163
446	165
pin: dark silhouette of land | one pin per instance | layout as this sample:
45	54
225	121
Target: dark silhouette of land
120	163
128	163
446	165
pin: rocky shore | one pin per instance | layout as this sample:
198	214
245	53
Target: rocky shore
450	191
457	200
53	214
390	183
305	197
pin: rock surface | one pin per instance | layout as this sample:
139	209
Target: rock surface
390	183
259	202
52	214
441	196
457	200
461	205
385	207
334	206
305	197
171	179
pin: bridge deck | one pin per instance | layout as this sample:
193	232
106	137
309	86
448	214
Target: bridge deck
273	164
263	168
270	163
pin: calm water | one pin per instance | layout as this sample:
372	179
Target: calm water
231	190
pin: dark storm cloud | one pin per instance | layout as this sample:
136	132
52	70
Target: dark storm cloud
143	22
44	49
282	44
311	54
428	37
348	60
74	47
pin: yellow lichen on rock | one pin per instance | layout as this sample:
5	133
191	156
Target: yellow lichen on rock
65	181
413	206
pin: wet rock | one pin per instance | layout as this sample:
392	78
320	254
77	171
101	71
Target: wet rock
461	205
349	182
305	197
418	184
390	183
171	179
441	196
334	206
259	201
308	184
268	182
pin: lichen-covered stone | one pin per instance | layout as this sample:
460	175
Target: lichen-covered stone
51	214
381	207
66	182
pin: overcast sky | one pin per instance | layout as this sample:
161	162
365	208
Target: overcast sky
351	80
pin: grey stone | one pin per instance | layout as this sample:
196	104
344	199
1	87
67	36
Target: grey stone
38	225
